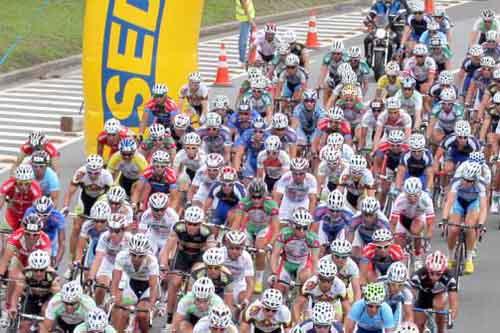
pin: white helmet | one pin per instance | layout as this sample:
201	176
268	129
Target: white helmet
94	162
349	77
420	50
341	247
330	154
159	89
337	46
272	143
488	14
100	211
462	128
203	288
476	50
272	298
158	200
408	82
327	268
214	160
433	26
253	73
496	73
357	164
472	170
213	256
370	205
71	292
160	157
292	60
290	36
38	260
24	172
478	157
139	244
396	136
97	320
407	327
299	164
397	272
112	126
496	98
191	138
323	314
220	316
213	119
344	67
417	6
270	28
195	77
157	131
310	94
236	237
382	235
487	62
301	217
446	78
220	102
354	52
335	200
116	194
117	221
393	103
283	49
279	120
194	214
335	139
44	205
417	142
413	186
448	95
181	121
392	68
336	113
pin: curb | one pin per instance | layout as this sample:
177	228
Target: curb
41	70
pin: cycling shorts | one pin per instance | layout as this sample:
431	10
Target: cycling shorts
463	208
34	303
65	327
290	89
184	261
287	271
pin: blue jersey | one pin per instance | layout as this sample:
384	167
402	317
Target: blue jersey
234	122
222	203
50	182
383	319
381	8
366	231
331	223
287	137
425	38
308	120
51	226
215	143
252	147
307	326
456	154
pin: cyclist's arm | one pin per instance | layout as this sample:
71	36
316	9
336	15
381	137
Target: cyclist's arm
137	193
485	101
115	285
69	194
349	325
16	293
483	214
167	249
485	127
400	175
46	325
450	199
153	289
2	200
471	93
429	173
82	241
356	287
240	150
144	121
460	77
404	39
322	74
378	135
99	256
275	258
174	199
453	303
6	257
61	240
473	37
437	157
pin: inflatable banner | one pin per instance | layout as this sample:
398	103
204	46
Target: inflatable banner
128	45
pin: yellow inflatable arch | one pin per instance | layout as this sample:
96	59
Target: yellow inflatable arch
128	45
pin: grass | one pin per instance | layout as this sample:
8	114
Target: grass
56	31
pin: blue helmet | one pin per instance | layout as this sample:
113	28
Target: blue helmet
478	157
43	205
127	145
258	123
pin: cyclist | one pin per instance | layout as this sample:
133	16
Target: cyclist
485	172
436	289
161	108
215	137
296	188
329	170
444	116
357	180
422	67
272	162
266	43
159	139
445	81
468	67
417	162
117	201
220	105
411	100
322	321
398	292
393	119
431	32
259	99
416	25
347	269
40	282
157	221
93	181
306	116
483	24
188	160
444	22
267	314
297	48
181	126
195	305
213	268
481	80
218	320
242	119
440	52
96	322
140	273
67	309
39	141
359	67
110	137
349	101
196	94
293	80
18	193
247	147
389	84
45	175
371	314
348	86
466	203
491	46
489	93
368	124
336	140
258	216
333	122
287	135
204	178
330	66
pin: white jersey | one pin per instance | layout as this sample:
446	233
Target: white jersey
240	268
422	208
194	97
110	248
332	175
255	314
148	267
347	272
183	163
276	167
356	188
337	291
296	192
93	188
203	326
484	177
346	153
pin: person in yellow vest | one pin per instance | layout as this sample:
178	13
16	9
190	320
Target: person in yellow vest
245	14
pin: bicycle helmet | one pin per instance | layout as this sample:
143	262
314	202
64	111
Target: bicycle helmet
357	164
436	262
337	46
448	95
341	247
382	235
397	272
349	77
446	78
272	143
195	77
412	186
158	200
496	73
417	142
292	60
476	50
213	119
100	211
214	160
407	327
24	172
36	138
435	42
462	128
39	260
283	49
229	174
439	12
420	50
191	138
97	320
71	292
335	139
393	103
354	52
471	171
32	223
117	221
213	256
257	187
433	26
374	293
488	62
299	164
219	316
220	102
272	298
160	157
301	217
349	90
370	205
194	214
203	288
253	73
159	90
496	98
392	68
157	131
43	205
116	194
181	121
40	157
323	314
327	268
258	123
310	94
335	200
487	14
417	6
331	154
139	244
408	82
94	163
279	120
290	36
236	237
112	126
336	113
396	136
477	157
127	145
270	28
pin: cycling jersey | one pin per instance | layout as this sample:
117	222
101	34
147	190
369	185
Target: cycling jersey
356	186
159	111
391	157
420	72
427	289
258	217
468	196
241	267
235	122
223	202
416	167
362	71
333	224
266	49
299	77
397	300
418	27
56	310
111	141
194	97
337	291
254	314
331	173
328	126
391	88
200	270
288	137
191	244
48	147
482	82
52	225
110	249
203	183
83	328
388	124
378	262
436	89
149	266
49	182
150	145
364	230
296	250
188	309
349	271
158	229
296	192
43	287
346	152
425	38
456	154
480	26
383	319
274	166
189	165
308	120
353	113
446	120
260	105
332	65
203	326
129	169
164	183
91	233
214	142
19	201
410	104
402	209
307	326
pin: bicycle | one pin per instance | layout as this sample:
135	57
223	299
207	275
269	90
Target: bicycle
132	323
415	262
285	105
430	325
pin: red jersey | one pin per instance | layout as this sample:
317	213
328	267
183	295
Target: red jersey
102	138
385	146
369	256
168	106
48	147
326	125
17	242
19	202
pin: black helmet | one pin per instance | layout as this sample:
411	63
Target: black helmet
257	188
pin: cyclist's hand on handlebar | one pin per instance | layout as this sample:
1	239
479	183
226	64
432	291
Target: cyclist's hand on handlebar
65	211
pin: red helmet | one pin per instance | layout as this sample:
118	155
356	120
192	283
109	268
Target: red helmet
436	262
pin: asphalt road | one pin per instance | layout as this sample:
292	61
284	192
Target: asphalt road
479	295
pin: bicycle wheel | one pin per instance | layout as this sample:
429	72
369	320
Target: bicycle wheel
459	260
388	205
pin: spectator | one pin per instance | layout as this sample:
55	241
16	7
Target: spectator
245	14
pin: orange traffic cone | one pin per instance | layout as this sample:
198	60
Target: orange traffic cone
222	77
312	34
252	53
429	7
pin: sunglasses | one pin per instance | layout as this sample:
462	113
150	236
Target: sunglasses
113	203
100	221
462	137
435	273
341	256
295	173
256	131
244	113
192	224
213	267
373	306
115	231
32	234
383	247
257	197
127	154
135	255
94	173
469	180
213	129
291	67
39	270
300	228
323	279
270	310
157	210
73	304
212	170
260	91
38	166
368	214
418	13
23	182
309	101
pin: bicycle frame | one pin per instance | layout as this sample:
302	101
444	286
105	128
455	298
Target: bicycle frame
430	325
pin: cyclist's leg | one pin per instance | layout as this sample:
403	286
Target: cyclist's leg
417	228
457	213
423	301
103	278
471	218
439	303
